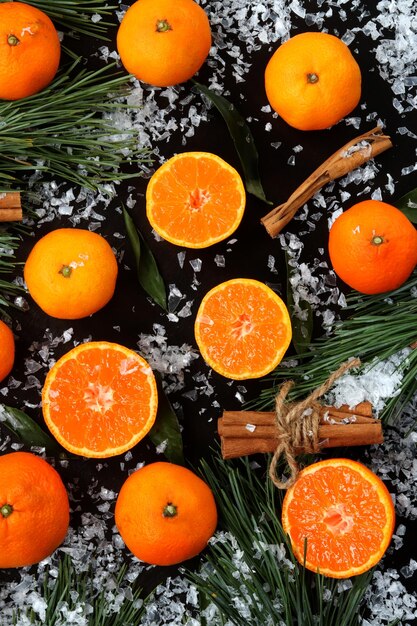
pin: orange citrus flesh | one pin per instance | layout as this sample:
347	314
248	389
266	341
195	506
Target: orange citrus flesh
344	512
242	329
100	399
195	200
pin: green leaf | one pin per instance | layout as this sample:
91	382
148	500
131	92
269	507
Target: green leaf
27	430
148	274
242	138
302	329
167	428
408	205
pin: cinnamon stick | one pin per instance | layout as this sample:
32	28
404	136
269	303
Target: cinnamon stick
10	207
249	432
349	157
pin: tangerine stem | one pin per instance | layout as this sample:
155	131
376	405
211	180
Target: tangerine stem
377	240
312	78
6	510
170	510
66	271
12	40
162	26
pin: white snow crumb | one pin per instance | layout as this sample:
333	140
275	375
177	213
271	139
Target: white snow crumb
169	360
378	382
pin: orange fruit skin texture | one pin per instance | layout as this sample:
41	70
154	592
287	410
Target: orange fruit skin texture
242	329
100	399
7	350
169	57
345	513
195	200
93	273
308	105
360	263
139	514
39	521
31	64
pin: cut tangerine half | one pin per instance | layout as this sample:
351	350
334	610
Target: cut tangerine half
195	200
242	329
344	515
100	399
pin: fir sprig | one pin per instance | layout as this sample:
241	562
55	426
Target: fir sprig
62	130
75	15
377	328
250	573
71	590
8	290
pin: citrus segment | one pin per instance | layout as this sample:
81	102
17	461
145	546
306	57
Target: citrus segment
100	399
345	514
242	329
373	247
165	514
34	509
195	200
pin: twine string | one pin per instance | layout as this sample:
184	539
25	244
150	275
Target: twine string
298	425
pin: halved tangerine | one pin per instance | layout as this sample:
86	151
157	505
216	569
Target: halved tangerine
195	200
344	515
100	399
242	329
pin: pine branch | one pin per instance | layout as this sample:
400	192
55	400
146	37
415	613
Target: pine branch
74	16
71	591
250	573
62	130
378	327
8	290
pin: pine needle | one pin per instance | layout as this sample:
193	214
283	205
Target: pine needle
62	131
8	290
250	573
75	15
71	591
377	328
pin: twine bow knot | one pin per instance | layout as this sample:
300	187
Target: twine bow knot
298	425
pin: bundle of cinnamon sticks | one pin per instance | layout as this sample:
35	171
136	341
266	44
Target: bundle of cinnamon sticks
249	432
10	206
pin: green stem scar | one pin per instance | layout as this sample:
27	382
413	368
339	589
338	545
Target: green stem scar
6	510
12	40
162	26
377	240
66	271
312	78
170	510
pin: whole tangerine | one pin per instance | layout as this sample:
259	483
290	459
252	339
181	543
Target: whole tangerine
163	42
34	509
165	514
7	350
312	81
373	247
29	51
71	273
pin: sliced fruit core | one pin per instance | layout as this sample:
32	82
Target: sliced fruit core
162	26
6	510
337	521
170	510
312	78
242	326
98	397
198	198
